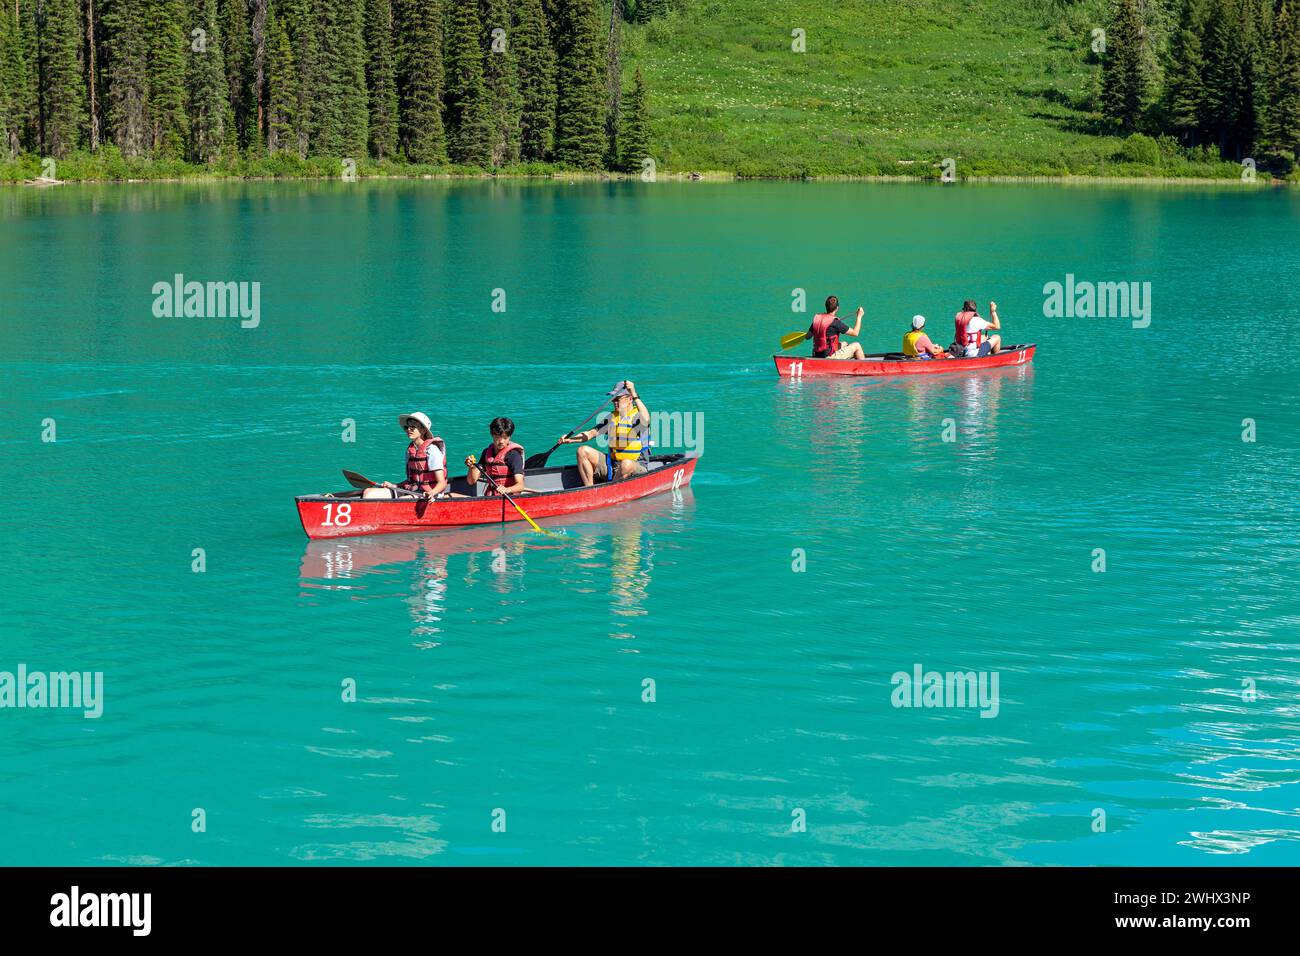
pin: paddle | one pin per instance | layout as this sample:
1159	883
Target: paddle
501	491
793	339
539	460
357	481
361	481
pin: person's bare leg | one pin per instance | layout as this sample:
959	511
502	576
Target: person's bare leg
856	352
587	465
995	341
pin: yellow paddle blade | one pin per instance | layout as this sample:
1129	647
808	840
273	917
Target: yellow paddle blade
793	339
536	527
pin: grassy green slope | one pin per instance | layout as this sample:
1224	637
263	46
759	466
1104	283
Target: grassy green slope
886	87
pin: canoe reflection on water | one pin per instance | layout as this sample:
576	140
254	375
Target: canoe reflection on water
608	552
334	563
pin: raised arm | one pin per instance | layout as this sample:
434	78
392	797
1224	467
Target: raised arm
857	324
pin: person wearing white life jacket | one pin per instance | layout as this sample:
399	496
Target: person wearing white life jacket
972	340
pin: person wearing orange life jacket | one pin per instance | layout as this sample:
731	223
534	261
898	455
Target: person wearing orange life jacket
917	345
625	428
426	461
503	460
826	330
971	340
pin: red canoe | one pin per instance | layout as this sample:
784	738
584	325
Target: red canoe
561	492
893	363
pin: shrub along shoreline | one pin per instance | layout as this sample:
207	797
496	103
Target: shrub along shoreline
1138	159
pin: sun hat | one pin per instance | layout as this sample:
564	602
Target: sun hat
419	418
918	322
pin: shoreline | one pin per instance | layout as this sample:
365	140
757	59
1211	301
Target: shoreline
713	176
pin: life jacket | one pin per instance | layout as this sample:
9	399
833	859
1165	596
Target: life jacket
909	343
964	338
494	464
824	342
624	435
417	462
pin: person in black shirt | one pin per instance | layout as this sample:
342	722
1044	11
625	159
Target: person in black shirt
826	330
503	460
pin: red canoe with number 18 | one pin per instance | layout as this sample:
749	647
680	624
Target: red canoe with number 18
559	492
894	363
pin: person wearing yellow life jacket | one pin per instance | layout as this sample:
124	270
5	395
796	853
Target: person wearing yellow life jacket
625	427
971	339
503	460
917	345
426	461
826	330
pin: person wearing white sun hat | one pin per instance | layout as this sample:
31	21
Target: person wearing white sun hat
917	345
426	461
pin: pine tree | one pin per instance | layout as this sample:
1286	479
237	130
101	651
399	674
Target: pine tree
1230	47
259	40
341	109
282	95
1185	93
207	87
500	78
1125	77
580	105
381	79
127	76
1283	114
420	80
346	59
300	22
90	32
62	89
15	85
614	84
236	51
634	131
167	42
536	59
469	120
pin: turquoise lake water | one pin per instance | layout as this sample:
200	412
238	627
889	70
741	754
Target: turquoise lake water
1124	691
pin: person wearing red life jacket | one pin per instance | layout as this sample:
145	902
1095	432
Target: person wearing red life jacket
426	461
826	330
503	460
972	339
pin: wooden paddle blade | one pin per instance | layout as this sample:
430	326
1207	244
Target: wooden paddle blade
357	481
793	339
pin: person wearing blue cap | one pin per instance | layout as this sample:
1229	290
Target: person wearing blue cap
625	426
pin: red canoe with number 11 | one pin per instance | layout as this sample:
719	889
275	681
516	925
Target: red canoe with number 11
559	492
893	363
